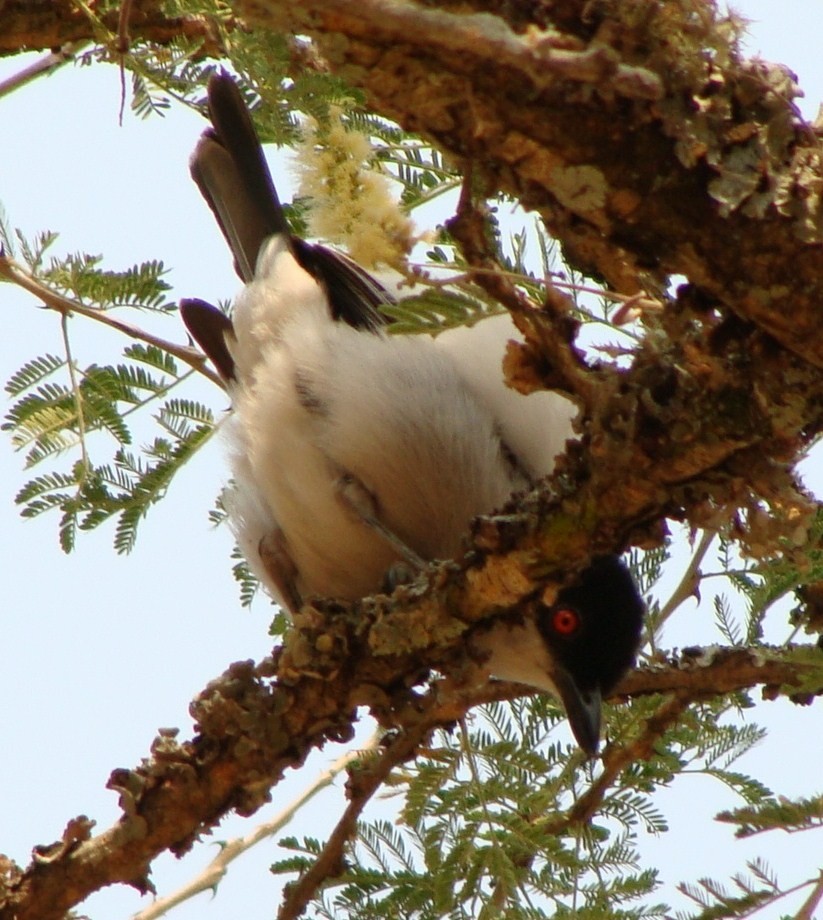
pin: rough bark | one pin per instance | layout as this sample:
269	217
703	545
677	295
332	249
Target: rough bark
251	728
27	26
646	157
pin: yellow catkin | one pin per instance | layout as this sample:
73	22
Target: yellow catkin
350	201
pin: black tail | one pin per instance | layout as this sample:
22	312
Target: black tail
231	172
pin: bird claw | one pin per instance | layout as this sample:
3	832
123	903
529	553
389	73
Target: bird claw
356	498
279	566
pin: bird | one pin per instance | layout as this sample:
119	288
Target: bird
357	455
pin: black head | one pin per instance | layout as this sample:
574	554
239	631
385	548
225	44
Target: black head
592	631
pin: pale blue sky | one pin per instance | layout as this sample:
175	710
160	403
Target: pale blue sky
98	650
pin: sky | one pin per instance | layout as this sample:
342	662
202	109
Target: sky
99	650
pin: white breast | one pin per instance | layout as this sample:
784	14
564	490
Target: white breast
417	422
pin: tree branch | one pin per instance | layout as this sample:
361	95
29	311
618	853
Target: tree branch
631	149
530	102
65	306
549	333
42	67
40	27
361	787
216	870
617	757
810	905
254	722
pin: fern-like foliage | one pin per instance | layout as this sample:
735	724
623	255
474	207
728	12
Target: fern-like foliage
436	309
716	901
483	826
138	286
483	829
747	894
800	814
90	494
65	413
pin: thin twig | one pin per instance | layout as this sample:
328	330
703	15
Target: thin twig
122	47
687	587
41	67
616	758
499	890
549	330
807	911
65	305
363	786
216	870
639	301
76	393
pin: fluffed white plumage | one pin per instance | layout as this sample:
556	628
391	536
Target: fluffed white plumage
423	425
352	449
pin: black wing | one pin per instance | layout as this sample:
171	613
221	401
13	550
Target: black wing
210	327
354	295
230	170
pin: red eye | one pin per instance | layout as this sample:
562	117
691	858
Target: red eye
565	621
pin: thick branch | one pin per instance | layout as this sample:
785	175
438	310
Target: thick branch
642	155
26	26
213	874
250	728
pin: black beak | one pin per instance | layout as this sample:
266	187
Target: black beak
582	708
